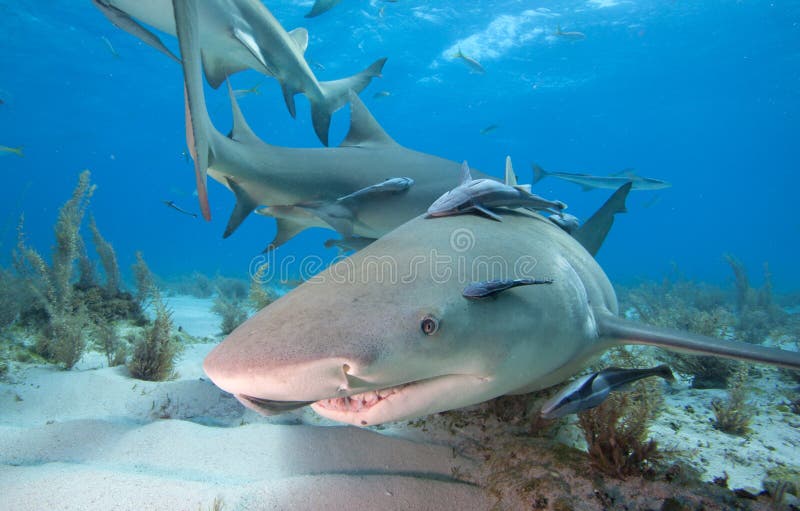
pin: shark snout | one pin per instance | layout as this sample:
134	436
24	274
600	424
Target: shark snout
244	373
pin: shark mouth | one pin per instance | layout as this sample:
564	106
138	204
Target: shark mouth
356	403
359	402
366	408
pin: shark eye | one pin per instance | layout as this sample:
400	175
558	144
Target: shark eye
429	325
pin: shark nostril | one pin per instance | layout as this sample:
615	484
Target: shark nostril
345	368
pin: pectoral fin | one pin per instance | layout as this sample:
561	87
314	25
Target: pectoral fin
217	68
290	221
249	42
488	213
245	204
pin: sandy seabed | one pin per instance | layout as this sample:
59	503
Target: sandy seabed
95	438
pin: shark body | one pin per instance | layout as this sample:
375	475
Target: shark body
346	188
234	35
363	345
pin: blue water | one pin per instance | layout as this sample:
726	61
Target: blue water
701	94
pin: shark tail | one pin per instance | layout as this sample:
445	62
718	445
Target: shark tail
335	94
18	151
198	124
617	331
538	173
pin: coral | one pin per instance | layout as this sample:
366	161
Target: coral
65	340
231	310
108	258
154	355
9	299
196	284
145	283
260	296
61	338
232	288
734	414
686	305
107	341
87	274
616	431
758	314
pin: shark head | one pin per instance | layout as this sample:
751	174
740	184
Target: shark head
386	334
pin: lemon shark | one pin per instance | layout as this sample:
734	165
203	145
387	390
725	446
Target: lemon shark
345	188
388	335
243	34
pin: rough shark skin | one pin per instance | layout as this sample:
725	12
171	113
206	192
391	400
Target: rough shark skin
366	345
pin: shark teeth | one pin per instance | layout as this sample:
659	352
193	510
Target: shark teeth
359	402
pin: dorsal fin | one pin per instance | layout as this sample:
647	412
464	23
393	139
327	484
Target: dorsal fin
300	37
466	177
364	129
592	233
511	178
241	131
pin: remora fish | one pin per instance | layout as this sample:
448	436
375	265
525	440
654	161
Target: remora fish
591	390
575	36
474	65
483	194
243	34
376	350
590	182
171	204
305	182
12	150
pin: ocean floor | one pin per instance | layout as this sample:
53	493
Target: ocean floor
95	438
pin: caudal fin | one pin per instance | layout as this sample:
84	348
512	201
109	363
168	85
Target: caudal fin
198	124
335	95
618	331
538	173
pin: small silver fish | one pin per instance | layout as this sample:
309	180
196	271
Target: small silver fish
12	150
574	36
482	194
488	129
255	89
381	94
474	66
590	391
171	204
487	288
